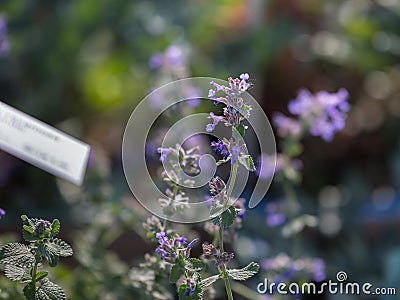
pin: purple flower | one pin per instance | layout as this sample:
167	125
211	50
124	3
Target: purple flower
286	126
325	113
318	270
274	218
235	151
216	120
160	250
156	61
191	244
161	236
164	153
221	148
2	213
175	56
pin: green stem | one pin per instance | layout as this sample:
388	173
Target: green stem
34	271
227	283
221	233
232	181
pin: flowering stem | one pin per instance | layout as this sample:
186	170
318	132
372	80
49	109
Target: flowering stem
221	234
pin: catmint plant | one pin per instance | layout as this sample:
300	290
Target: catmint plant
24	262
195	277
322	115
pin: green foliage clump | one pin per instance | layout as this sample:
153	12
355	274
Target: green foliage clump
24	262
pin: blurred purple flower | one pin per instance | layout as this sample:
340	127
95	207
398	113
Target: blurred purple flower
267	166
4	43
2	213
318	270
273	217
325	113
175	56
286	126
193	95
156	61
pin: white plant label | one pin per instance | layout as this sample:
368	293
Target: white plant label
42	145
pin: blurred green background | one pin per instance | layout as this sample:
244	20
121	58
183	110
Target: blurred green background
82	66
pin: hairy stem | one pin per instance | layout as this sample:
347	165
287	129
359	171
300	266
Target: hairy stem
34	271
221	233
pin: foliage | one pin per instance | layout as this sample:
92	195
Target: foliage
23	262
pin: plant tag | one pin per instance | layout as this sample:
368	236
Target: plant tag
42	145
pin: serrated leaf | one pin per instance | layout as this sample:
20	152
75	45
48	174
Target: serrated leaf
47	290
52	249
184	293
41	275
55	228
63	248
227	218
50	252
245	273
194	264
209	281
175	274
17	254
14	273
247	162
29	291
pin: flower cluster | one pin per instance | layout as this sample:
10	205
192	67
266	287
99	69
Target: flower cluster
41	228
171	248
212	253
323	114
228	149
236	109
2	213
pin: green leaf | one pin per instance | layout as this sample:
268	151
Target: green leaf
41	275
55	228
52	249
50	252
247	162
175	274
29	291
194	264
209	281
28	228
227	218
15	273
242	129
17	254
47	290
197	295
245	273
63	248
